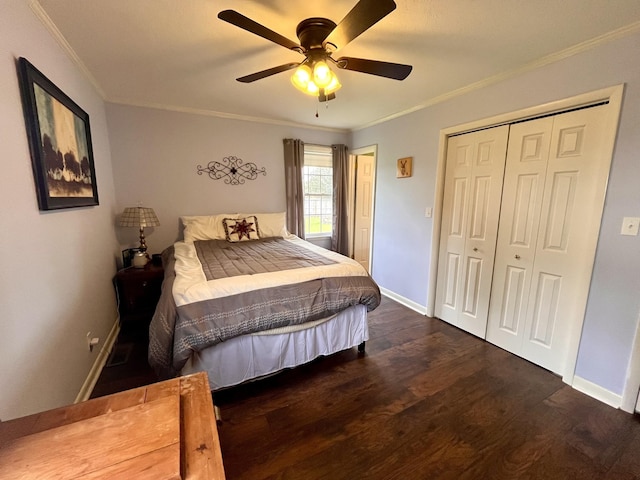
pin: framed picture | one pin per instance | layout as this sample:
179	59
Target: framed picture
127	256
59	141
404	167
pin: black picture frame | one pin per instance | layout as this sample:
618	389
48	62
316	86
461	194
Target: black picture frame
126	258
59	141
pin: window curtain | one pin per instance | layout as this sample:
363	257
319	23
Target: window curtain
340	235
293	163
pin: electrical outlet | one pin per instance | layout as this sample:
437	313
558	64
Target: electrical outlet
630	226
428	212
92	341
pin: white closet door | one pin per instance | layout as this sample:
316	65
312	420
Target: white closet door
473	187
540	296
524	179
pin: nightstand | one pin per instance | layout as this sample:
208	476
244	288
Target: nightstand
138	292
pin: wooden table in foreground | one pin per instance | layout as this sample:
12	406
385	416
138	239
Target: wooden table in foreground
166	430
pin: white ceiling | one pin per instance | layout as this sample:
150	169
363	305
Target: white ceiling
177	54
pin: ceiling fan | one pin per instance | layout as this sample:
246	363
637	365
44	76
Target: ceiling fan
319	38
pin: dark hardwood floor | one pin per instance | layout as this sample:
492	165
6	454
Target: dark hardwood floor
426	401
127	366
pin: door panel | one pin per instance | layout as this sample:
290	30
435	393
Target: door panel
545	309
451	283
453	233
555	179
473	186
363	218
524	210
480	213
513	296
525	171
458	210
474	270
570	217
560	211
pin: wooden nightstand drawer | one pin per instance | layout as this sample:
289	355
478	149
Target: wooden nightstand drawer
142	295
139	289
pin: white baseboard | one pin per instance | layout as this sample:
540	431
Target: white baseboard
98	365
596	391
422	310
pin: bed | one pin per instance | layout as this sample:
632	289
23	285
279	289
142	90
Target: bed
242	298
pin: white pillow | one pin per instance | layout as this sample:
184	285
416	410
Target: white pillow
269	224
206	227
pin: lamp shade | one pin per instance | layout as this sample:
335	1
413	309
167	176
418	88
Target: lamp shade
139	217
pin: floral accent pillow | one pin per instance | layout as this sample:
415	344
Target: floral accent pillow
241	229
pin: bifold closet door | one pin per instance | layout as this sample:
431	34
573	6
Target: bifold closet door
524	179
471	205
555	181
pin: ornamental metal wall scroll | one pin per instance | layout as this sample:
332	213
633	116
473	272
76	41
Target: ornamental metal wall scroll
232	170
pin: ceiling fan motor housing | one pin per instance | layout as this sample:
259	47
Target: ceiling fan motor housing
312	32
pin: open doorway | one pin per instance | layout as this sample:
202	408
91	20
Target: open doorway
362	181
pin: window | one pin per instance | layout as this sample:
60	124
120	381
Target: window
317	183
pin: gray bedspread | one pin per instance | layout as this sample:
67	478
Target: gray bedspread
222	259
176	332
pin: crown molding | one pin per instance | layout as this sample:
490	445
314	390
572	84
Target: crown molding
231	116
57	35
541	62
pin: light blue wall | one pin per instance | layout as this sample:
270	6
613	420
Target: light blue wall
57	266
401	251
156	154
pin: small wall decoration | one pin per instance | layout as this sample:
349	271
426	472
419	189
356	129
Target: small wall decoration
59	141
404	167
233	170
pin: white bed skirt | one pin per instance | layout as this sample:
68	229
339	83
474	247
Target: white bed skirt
252	356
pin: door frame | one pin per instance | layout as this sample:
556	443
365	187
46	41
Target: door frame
368	150
613	95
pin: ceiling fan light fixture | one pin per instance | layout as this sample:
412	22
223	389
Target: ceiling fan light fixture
319	38
322	74
334	85
305	79
312	89
302	79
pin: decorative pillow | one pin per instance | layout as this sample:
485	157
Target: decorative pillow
206	227
271	224
241	229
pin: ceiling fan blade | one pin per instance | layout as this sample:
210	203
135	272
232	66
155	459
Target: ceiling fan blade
267	73
239	20
364	15
396	71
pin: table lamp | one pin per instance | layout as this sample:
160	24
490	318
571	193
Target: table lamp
139	217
